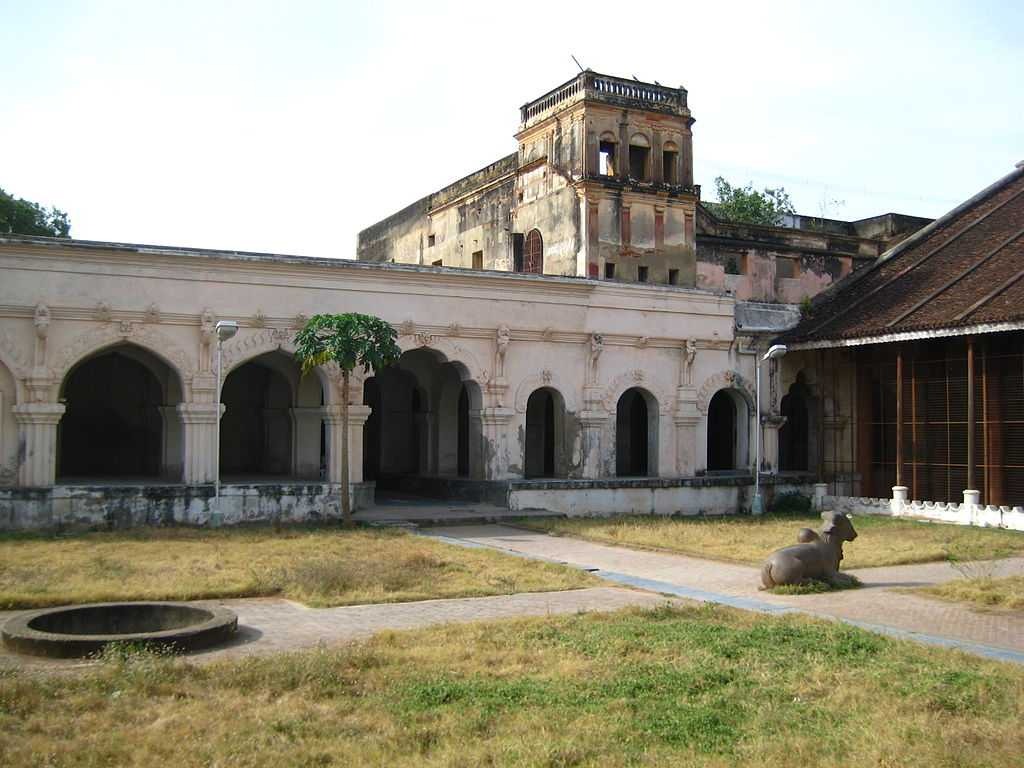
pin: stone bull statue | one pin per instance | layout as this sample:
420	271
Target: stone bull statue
817	556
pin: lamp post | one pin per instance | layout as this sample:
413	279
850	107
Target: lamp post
774	352
225	330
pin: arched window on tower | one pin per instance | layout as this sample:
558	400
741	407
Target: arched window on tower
533	260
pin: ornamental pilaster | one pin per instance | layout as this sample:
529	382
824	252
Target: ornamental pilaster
37	433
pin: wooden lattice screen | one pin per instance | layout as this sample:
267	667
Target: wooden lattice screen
936	419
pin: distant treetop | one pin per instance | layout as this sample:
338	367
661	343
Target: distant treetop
747	205
23	217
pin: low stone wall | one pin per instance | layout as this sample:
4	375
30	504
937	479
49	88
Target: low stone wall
101	506
643	496
982	515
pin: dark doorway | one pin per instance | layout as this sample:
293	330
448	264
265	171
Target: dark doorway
113	426
541	435
371	430
794	437
633	435
463	438
256	430
721	432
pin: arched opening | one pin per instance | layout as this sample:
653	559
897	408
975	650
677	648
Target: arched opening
795	435
670	162
120	420
606	155
640	157
544	449
636	434
533	260
272	427
727	444
721	433
424	426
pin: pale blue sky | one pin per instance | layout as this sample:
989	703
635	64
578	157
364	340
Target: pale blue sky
289	127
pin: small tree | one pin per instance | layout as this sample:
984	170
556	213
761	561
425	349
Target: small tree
23	217
348	340
746	204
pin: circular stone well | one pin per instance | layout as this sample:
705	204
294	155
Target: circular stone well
80	630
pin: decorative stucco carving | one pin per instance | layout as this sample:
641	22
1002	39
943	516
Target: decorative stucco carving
98	338
103	312
503	337
300	320
596	348
454	329
452	351
689	351
246	346
724	380
207	334
407	328
630	379
536	381
41	320
259	320
152	314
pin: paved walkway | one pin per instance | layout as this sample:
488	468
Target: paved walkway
269	625
880	605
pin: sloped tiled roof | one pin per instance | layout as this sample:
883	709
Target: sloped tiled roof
964	270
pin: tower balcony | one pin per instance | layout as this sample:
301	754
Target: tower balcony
617	91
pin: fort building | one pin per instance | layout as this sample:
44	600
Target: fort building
579	334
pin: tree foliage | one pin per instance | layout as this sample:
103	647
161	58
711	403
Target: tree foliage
23	217
747	205
349	340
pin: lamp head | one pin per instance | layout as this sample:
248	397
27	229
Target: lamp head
226	329
774	351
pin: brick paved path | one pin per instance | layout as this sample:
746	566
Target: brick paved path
879	603
268	625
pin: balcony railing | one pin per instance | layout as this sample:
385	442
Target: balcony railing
604	87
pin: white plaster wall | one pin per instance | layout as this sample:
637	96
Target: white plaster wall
156	299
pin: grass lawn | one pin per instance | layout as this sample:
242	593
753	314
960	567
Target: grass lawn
880	540
701	686
317	566
1006	592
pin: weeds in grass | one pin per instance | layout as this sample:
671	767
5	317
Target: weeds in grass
744	539
817	586
989	593
700	686
318	566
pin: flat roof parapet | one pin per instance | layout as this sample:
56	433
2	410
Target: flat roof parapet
619	91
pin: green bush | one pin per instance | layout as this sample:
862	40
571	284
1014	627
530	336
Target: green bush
794	503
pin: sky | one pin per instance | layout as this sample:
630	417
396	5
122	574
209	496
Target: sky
289	126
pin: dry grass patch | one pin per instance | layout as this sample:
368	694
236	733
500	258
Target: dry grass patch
983	592
318	566
748	540
701	686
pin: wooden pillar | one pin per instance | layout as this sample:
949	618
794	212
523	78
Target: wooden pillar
970	413
899	416
915	491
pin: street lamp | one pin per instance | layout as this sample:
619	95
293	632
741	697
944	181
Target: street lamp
226	329
774	352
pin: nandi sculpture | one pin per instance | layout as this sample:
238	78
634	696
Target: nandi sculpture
817	556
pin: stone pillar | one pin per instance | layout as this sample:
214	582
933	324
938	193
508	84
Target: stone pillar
357	416
199	426
306	444
820	492
593	421
686	420
971	500
37	443
495	453
770	457
899	498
